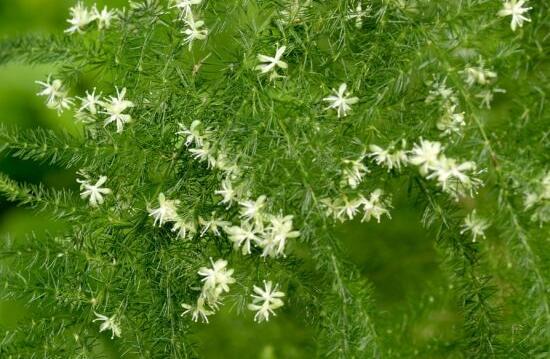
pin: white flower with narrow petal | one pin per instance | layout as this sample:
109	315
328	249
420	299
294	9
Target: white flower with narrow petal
198	311
194	31
451	122
388	158
278	231
475	225
374	207
515	9
213	225
358	14
103	17
218	277
227	192
269	63
57	96
453	177
90	103
347	208
115	108
94	191
193	134
80	18
108	323
266	301
166	211
204	154
186	6
243	236
183	228
478	75
252	210
353	172
341	101
425	155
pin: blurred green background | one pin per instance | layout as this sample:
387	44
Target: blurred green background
397	257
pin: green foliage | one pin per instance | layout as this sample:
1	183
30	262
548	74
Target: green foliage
274	137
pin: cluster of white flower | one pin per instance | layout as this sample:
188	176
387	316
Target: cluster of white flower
343	208
91	106
451	122
475	225
484	79
57	97
195	29
441	93
167	212
390	158
537	199
94	192
515	9
82	16
456	179
266	301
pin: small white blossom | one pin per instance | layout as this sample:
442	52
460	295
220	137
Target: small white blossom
198	311
204	154
278	231
108	323
90	103
453	177
243	236
184	229
425	155
388	158
353	172
57	96
186	6
218	277
474	224
103	17
166	212
358	15
265	301
269	63
487	96
94	191
252	210
516	9
115	107
341	101
80	18
194	31
347	209
478	75
193	133
214	224
441	92
227	192
373	207
451	122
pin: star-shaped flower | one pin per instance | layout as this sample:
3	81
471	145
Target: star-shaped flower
341	101
515	9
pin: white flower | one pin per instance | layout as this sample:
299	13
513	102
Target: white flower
194	31
214	224
452	177
109	323
373	207
193	133
183	228
487	96
478	75
269	63
227	192
166	212
353	172
475	225
515	9
115	107
278	231
103	17
57	97
185	6
387	158
441	91
451	122
243	236
197	311
253	209
425	155
204	153
218	277
90	102
347	208
265	301
340	100
81	17
358	15
95	191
